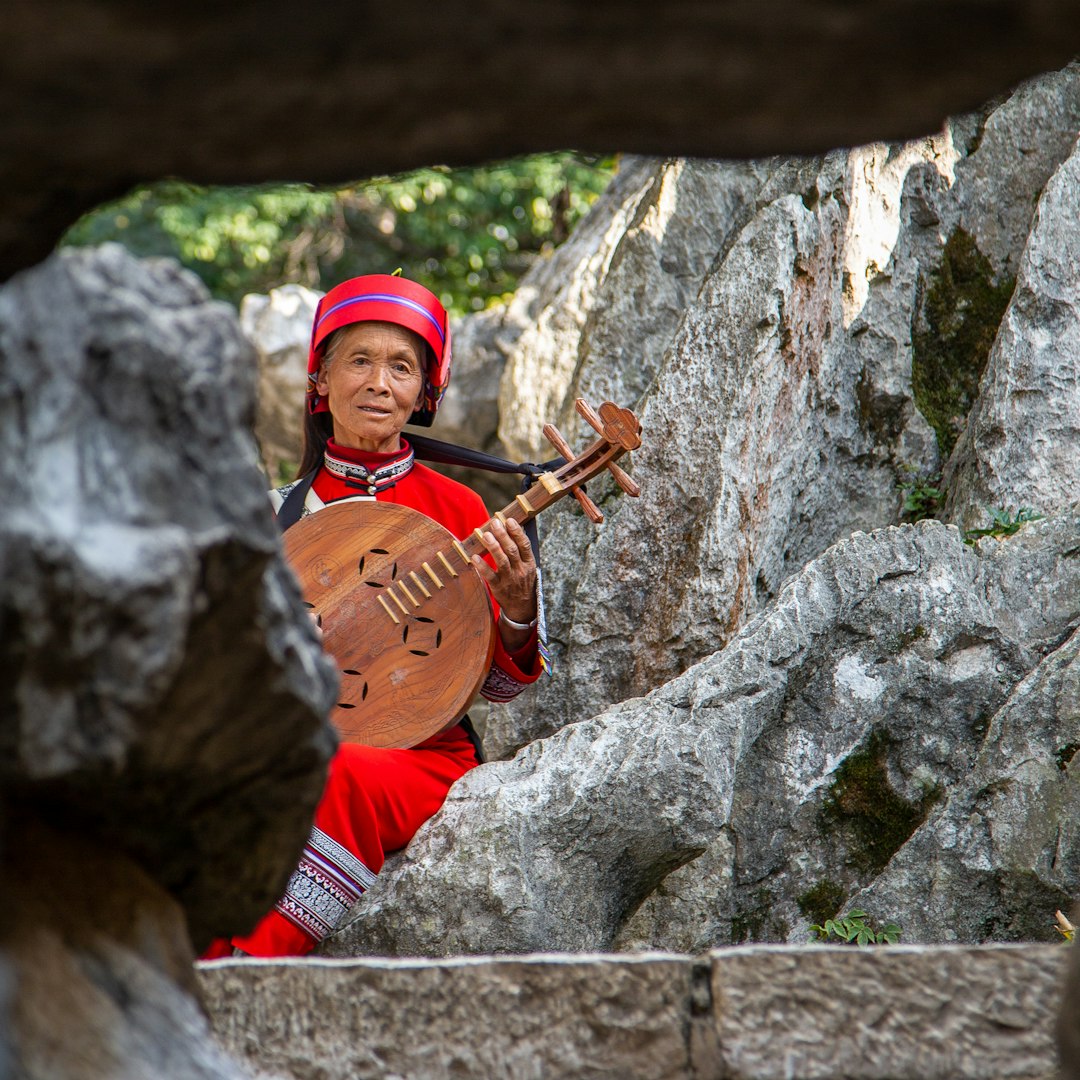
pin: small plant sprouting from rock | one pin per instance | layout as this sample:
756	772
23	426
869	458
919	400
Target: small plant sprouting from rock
856	928
923	496
1002	524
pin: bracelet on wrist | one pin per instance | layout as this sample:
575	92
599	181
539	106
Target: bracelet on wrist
514	625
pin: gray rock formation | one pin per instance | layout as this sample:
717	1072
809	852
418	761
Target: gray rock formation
751	1013
784	400
1003	852
163	698
786	770
1022	441
278	325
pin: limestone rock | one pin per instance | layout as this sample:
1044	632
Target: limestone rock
751	1013
781	415
101	967
161	686
799	759
279	326
1003	852
1022	440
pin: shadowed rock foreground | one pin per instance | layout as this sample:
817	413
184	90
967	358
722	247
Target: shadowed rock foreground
162	699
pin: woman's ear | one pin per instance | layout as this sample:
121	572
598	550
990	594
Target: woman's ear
321	383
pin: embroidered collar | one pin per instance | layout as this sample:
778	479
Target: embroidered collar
369	472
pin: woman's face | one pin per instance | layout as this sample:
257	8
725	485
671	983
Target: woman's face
373	378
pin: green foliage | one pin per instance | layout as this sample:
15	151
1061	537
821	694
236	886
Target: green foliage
1002	524
873	818
854	928
467	234
923	496
960	314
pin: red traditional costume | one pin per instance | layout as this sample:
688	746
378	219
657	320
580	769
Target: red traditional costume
376	799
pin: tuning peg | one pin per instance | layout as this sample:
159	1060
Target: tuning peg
592	511
554	436
623	480
590	415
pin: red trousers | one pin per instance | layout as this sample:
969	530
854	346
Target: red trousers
373	803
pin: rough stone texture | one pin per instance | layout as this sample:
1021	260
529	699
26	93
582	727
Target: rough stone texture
103	96
921	1014
748	1014
891	654
780	415
157	685
100	967
279	326
1022	439
533	1018
1003	852
162	695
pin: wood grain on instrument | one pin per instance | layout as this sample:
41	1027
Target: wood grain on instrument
404	612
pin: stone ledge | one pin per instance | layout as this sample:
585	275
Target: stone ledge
761	1012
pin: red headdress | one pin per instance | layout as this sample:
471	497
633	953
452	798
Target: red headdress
385	298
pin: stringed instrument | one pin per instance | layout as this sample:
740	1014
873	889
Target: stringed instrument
402	609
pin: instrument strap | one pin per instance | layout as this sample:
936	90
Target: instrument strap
292	509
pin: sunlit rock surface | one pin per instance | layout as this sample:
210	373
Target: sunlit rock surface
809	372
1021	446
782	773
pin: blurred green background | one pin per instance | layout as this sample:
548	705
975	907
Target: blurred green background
467	234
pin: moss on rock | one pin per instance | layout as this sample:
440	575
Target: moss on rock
873	817
959	315
821	901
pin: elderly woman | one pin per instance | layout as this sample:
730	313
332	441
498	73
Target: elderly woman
380	359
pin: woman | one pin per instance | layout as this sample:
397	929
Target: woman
379	359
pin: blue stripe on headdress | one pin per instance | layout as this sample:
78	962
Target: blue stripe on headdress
386	298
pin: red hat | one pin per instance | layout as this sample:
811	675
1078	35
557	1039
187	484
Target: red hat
391	299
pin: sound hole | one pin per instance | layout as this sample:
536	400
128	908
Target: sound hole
405	635
418	652
363	693
360	565
307	605
345	705
349	671
374	584
379	551
393	572
438	638
422	618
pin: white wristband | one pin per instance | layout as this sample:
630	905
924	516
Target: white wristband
515	625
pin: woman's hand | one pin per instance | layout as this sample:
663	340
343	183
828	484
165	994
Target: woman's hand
513	581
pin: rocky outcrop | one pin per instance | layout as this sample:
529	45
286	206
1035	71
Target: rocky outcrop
803	377
163	700
1002	852
239	99
752	1013
1022	439
782	774
278	325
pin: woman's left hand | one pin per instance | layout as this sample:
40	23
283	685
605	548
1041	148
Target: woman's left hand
513	581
